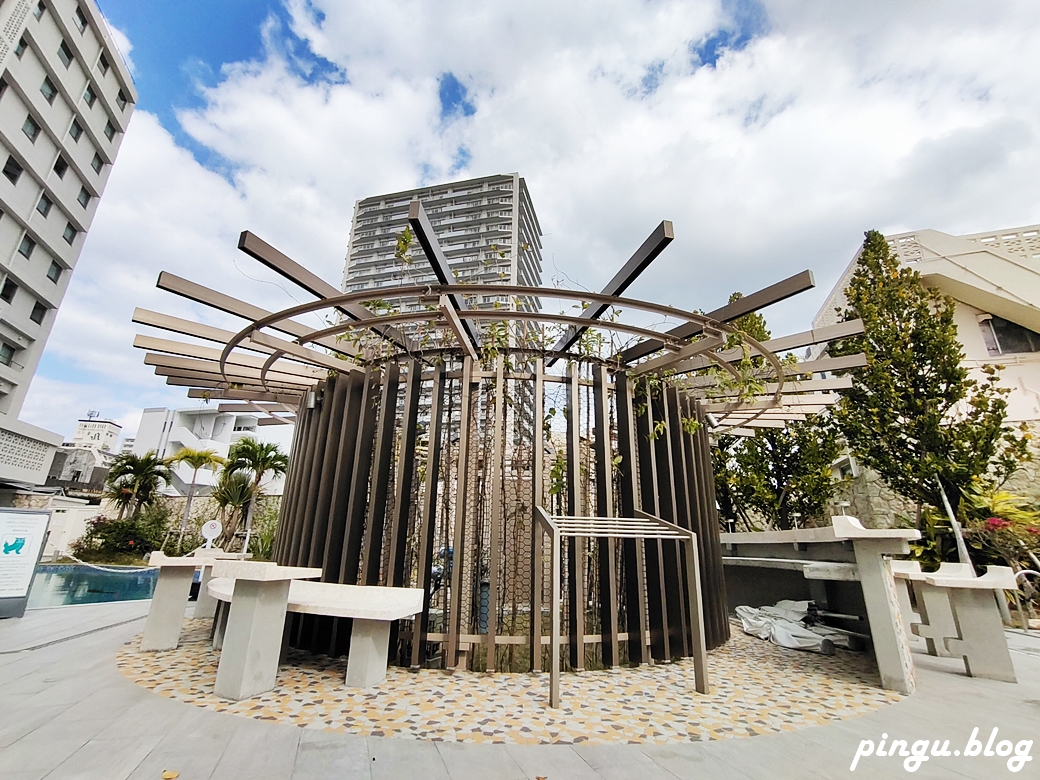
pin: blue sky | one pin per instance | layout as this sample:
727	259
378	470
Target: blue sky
772	133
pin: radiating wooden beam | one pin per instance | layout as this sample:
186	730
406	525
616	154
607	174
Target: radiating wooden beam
815	399
456	326
200	352
427	237
288	268
207	366
648	251
290	397
217	300
745	305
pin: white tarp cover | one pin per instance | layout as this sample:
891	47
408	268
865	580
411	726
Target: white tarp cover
781	624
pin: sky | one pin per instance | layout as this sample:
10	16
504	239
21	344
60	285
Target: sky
772	134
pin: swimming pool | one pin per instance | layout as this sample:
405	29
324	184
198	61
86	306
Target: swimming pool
56	585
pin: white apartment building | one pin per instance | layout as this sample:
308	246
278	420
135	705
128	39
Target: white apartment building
994	280
167	431
66	98
487	228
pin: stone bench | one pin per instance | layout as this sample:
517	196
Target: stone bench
978	632
372	609
162	630
843	552
933	604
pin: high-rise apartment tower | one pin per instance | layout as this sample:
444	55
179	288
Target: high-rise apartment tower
66	97
487	228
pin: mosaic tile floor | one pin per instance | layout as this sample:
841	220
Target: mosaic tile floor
757	688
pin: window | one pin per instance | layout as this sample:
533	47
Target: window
103	65
83	197
48	89
121	100
38	313
60	166
90	96
31	128
40	8
54	272
25	249
44	206
110	130
65	54
19	50
1004	337
97	163
76	130
12	170
69	235
9	289
81	19
6	353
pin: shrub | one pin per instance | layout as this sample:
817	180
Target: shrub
130	535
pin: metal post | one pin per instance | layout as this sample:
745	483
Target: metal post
575	545
608	594
537	534
497	518
461	494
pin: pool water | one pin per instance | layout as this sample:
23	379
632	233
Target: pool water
56	585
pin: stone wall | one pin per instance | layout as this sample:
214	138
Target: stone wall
877	506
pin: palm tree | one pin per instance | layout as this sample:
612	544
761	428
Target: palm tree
232	493
258	459
197	459
134	480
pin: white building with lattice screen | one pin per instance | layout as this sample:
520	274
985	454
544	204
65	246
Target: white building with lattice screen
994	278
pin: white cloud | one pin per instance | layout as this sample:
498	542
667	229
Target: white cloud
840	117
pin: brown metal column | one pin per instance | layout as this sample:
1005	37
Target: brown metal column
497	515
575	508
300	499
405	475
335	398
428	516
456	556
382	463
608	581
671	558
537	533
656	589
632	549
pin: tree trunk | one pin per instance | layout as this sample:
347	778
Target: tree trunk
187	504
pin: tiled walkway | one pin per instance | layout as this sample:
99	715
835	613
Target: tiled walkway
757	688
66	711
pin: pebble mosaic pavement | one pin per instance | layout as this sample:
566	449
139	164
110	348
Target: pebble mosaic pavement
757	688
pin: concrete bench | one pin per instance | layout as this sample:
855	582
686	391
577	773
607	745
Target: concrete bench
843	552
162	631
372	610
978	635
935	620
251	626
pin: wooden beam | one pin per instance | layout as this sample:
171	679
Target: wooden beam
648	251
456	326
745	305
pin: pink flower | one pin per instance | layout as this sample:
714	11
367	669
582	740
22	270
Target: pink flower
1033	530
997	524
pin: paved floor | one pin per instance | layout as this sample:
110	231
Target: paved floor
66	712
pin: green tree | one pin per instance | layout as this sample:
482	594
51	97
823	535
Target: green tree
781	473
231	494
778	473
914	415
134	481
259	459
196	459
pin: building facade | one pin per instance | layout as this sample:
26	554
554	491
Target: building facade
66	98
487	228
994	280
167	431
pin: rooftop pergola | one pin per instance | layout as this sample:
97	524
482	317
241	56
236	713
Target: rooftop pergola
426	439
